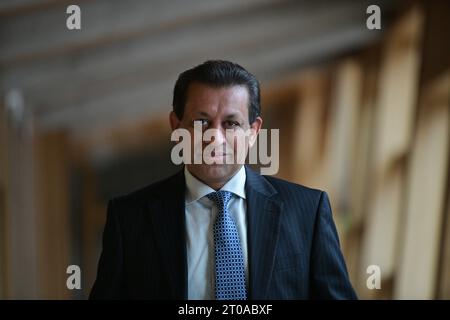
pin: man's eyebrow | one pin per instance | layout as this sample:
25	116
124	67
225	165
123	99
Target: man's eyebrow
203	113
232	116
227	117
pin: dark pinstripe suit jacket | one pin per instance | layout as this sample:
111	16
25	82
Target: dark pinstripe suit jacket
293	246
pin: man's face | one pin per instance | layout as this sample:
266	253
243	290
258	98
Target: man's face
220	109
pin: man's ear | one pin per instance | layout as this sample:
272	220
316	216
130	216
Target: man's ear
255	128
174	121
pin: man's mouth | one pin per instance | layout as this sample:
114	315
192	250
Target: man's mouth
218	155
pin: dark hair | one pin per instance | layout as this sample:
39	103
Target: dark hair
217	73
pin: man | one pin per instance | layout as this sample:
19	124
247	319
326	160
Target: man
221	230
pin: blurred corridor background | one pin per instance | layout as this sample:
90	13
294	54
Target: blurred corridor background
363	114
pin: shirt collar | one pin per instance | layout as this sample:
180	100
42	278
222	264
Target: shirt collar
195	189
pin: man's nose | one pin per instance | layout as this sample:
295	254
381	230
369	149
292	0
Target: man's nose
219	134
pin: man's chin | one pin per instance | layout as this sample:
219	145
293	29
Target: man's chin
213	173
216	170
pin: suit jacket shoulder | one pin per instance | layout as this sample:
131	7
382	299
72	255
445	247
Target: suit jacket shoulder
156	191
298	199
152	190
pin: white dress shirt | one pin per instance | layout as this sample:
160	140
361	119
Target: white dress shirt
200	217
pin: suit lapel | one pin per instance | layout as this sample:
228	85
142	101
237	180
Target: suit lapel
263	210
168	221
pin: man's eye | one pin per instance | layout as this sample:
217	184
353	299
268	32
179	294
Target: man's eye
232	124
203	122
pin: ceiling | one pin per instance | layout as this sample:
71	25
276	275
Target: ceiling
122	64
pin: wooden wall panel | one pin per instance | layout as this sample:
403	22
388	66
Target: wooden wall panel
394	119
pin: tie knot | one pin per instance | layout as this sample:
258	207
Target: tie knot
220	198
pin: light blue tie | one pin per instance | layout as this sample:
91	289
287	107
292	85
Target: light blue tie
230	272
